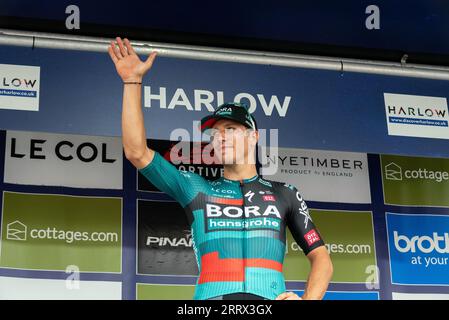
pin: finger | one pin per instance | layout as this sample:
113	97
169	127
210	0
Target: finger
112	55
150	59
281	296
129	46
288	295
122	47
116	51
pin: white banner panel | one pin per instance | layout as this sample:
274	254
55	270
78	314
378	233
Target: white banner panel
416	116
51	289
50	159
328	176
19	87
420	296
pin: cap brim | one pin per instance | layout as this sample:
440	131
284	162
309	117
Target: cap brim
209	121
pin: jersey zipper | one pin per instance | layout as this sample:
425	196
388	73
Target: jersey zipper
244	236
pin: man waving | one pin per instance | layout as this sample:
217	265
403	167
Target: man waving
238	221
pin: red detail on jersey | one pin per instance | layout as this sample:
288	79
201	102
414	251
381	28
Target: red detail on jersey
269	198
236	202
214	269
311	237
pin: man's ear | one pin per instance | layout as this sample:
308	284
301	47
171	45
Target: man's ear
255	135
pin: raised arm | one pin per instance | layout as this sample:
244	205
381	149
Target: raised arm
131	69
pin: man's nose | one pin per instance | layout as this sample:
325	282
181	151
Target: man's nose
221	135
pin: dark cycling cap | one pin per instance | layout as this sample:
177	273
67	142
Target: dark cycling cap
233	111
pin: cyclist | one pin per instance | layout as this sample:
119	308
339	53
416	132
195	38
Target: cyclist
238	221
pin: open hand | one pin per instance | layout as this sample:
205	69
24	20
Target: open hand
127	63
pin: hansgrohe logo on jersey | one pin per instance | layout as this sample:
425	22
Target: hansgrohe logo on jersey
238	218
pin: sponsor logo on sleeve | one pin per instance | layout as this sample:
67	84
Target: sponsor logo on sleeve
312	237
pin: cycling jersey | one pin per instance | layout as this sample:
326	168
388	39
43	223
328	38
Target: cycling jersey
238	228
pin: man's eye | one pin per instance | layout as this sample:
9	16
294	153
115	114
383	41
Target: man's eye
214	132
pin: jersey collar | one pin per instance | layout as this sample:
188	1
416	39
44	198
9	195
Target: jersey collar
238	181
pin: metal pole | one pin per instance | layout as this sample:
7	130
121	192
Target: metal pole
97	44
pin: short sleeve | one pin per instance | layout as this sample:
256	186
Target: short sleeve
300	222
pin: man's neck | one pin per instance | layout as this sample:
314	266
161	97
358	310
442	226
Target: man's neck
239	171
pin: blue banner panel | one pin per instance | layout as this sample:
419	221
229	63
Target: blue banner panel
419	248
348	295
80	93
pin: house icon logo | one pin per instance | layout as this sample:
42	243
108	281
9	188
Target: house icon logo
393	172
16	231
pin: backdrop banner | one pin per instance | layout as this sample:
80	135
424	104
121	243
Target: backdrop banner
369	154
121	238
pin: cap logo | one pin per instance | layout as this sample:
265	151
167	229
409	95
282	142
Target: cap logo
224	110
